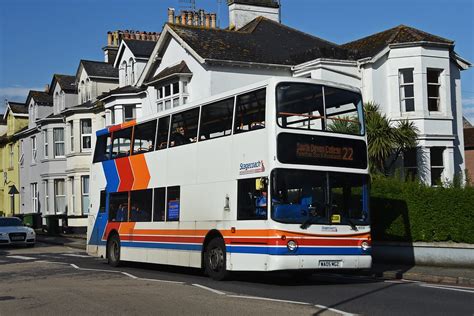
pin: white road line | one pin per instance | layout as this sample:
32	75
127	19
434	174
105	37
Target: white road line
75	255
130	275
98	270
54	262
22	257
268	299
209	289
334	310
447	288
124	273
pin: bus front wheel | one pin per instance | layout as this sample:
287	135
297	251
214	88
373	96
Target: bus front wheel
215	259
113	251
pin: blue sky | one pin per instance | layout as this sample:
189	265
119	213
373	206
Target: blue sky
41	37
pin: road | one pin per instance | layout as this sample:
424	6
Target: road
56	279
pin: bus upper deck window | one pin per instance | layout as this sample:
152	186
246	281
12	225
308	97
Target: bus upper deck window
250	111
216	119
121	143
144	137
184	127
102	148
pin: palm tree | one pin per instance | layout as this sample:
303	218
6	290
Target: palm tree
386	139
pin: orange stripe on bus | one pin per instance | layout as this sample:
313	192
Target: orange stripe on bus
140	172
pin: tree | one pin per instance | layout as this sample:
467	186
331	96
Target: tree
387	139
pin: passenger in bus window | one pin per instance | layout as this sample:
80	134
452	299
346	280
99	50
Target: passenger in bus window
261	204
137	214
122	213
179	137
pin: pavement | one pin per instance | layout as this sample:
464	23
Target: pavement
430	274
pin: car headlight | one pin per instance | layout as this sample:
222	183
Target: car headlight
31	233
3	234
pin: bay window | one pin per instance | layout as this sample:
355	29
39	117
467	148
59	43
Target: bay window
86	135
407	91
434	85
58	138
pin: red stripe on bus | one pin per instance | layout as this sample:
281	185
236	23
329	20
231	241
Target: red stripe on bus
125	174
195	240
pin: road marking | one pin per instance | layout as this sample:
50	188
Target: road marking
209	289
124	273
22	257
75	255
46	261
325	308
450	288
268	299
88	269
130	275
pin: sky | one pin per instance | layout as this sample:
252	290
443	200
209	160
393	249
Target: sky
41	37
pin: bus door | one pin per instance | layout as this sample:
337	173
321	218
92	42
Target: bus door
101	220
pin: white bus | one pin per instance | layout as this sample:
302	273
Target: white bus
271	176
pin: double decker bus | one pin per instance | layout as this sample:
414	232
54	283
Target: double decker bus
271	176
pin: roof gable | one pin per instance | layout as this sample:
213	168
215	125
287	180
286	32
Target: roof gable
66	83
179	69
98	69
370	45
40	98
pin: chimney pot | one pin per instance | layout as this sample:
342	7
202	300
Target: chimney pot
170	15
201	17
183	17
109	38
213	20
177	20
190	18
208	20
46	88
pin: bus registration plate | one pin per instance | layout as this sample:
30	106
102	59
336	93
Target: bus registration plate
330	264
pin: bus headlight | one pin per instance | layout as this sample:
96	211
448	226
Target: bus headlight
365	245
292	245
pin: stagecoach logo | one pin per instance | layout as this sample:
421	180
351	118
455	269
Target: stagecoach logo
252	167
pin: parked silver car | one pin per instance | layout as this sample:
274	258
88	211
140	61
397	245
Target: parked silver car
14	232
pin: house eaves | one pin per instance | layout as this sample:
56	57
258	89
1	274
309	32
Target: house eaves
222	62
324	64
162	41
120	95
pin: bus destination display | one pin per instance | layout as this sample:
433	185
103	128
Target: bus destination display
322	150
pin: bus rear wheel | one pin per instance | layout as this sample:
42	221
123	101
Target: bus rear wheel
113	251
215	259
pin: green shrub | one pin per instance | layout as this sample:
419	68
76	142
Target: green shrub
410	211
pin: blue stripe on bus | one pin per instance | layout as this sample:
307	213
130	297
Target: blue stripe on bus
101	132
253	250
161	245
299	251
111	175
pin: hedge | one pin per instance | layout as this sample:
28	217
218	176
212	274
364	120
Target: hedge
411	211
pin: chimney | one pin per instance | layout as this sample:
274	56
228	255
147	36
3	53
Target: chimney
213	20
46	88
170	15
183	17
243	12
208	20
177	20
110	51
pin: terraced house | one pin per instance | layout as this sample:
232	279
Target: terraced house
15	119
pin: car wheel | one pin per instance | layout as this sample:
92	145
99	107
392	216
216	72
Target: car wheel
215	259
113	250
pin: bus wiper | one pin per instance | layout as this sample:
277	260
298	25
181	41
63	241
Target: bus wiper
353	226
308	222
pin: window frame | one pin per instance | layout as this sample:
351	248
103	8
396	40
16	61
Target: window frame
85	195
45	144
34	196
59	142
402	84
433	84
235	129
437	167
85	135
58	196
34	149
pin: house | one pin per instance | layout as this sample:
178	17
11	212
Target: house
412	74
13	120
125	102
42	151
